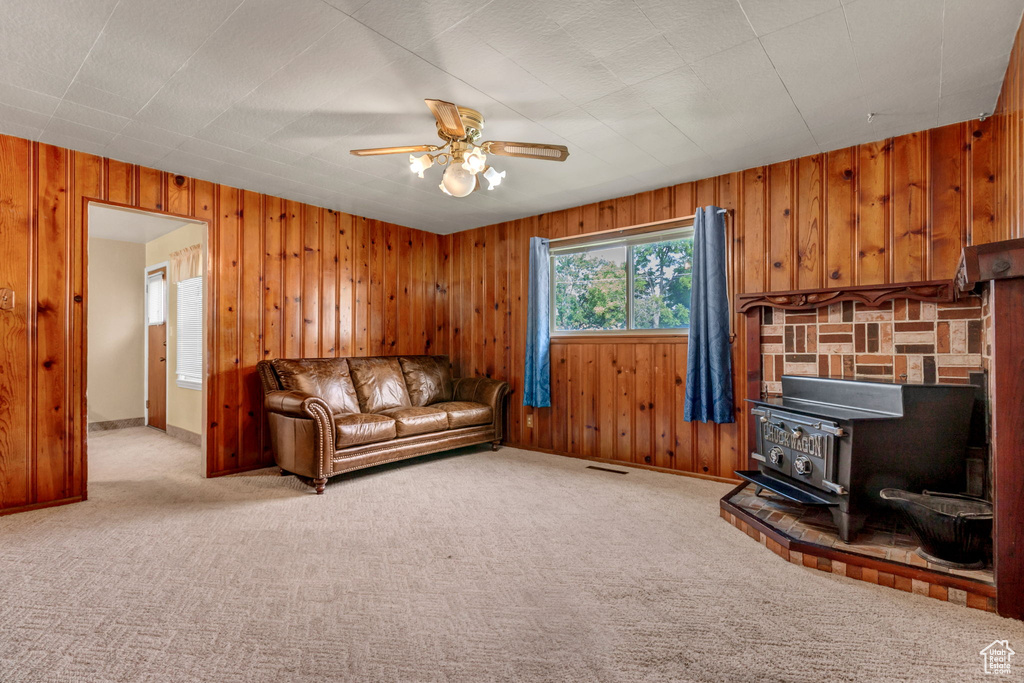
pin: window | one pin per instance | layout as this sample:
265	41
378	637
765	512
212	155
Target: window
632	283
156	313
190	334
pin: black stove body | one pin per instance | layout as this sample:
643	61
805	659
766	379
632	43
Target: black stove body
837	443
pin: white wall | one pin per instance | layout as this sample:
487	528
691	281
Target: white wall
116	330
184	406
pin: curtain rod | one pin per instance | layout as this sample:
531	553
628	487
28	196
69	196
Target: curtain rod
641	228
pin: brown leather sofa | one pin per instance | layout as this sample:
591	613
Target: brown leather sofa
334	415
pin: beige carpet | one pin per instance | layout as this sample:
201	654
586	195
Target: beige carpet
479	566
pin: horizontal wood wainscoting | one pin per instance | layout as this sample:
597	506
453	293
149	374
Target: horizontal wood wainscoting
288	279
893	211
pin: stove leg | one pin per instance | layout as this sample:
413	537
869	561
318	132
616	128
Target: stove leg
849	525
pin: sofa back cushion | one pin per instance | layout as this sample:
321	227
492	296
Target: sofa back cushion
428	379
379	383
327	378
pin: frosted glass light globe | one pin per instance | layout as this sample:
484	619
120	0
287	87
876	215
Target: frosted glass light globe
458	181
476	161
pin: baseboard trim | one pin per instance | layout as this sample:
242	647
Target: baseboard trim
184	435
117	424
40	506
620	463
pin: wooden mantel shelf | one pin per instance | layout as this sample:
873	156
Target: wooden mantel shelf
991	261
869	295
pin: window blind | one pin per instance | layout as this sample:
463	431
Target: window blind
190	333
155	298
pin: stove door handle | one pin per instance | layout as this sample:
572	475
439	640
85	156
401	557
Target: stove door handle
835	488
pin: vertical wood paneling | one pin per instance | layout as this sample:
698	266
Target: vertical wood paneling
120	182
809	215
754	231
643	439
780	226
250	308
396	251
841	217
328	276
16	272
1008	140
624	392
344	237
273	279
149	188
947	229
52	337
872	213
361	290
88	182
853	215
909	208
223	429
281	283
292	284
882	212
312	268
984	157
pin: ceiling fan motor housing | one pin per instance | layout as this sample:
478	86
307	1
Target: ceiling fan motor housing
472	121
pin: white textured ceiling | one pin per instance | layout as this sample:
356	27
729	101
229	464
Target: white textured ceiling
270	95
126	225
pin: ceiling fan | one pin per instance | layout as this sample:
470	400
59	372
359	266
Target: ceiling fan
461	128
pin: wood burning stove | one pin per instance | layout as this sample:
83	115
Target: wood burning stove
837	443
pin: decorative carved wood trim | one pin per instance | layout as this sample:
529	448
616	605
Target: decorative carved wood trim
870	295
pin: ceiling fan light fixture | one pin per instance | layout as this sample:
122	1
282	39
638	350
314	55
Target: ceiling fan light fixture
493	177
460	128
420	164
475	161
458	181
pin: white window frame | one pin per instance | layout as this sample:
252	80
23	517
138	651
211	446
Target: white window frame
188	381
597	243
150	272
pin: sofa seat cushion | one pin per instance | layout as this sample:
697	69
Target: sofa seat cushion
465	413
417	420
354	429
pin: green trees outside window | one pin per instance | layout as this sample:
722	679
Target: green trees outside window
643	285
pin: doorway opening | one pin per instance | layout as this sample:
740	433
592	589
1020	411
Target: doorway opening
146	323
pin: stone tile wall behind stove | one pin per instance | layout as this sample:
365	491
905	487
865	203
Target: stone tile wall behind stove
900	341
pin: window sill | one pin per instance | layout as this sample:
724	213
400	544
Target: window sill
631	337
189	384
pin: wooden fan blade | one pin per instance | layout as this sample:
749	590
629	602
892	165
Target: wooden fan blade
527	150
393	150
448	119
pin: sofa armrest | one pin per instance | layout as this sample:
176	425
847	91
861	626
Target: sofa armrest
296	404
292	403
488	391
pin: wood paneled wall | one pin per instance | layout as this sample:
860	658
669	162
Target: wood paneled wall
290	279
1008	129
897	210
286	279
